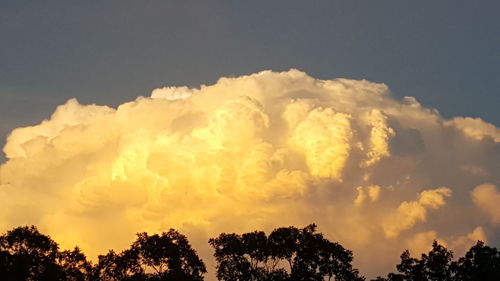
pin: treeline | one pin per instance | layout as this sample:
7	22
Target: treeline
286	254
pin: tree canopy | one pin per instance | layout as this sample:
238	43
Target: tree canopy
168	256
480	263
26	254
288	253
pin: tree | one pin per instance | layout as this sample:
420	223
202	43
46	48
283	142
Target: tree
437	264
288	253
479	263
113	267
168	256
26	254
74	265
232	264
434	266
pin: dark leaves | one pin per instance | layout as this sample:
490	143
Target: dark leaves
288	253
168	256
479	263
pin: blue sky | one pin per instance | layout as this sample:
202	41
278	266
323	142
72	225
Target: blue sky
445	53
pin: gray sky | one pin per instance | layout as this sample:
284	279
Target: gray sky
445	53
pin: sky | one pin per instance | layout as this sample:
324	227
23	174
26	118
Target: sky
387	154
444	53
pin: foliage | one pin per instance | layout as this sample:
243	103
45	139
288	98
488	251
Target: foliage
26	254
479	263
288	253
168	256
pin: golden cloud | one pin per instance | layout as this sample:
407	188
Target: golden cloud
252	152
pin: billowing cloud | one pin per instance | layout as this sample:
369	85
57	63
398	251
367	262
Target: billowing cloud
409	213
370	193
475	128
487	197
254	152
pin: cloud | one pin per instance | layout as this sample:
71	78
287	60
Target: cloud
475	128
253	152
371	192
422	242
380	134
324	138
487	197
462	244
410	212
172	93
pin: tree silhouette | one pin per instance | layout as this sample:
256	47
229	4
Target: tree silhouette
288	253
479	263
114	267
437	264
168	256
74	265
26	254
434	266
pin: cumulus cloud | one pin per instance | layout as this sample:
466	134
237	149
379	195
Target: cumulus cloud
371	192
475	128
487	197
422	242
462	244
409	213
253	152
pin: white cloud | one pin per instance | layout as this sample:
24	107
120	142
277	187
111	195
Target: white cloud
475	128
